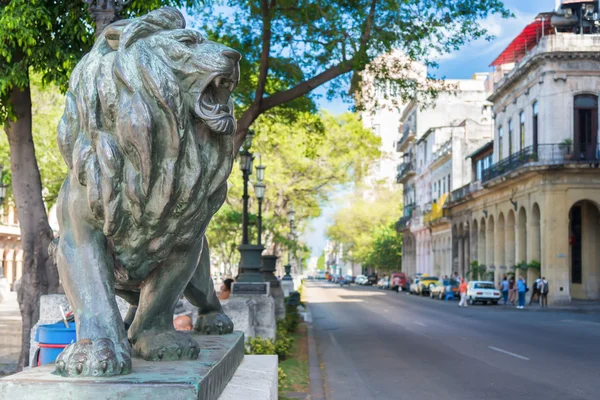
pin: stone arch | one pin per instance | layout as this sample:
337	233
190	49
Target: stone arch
474	240
584	252
481	241
536	232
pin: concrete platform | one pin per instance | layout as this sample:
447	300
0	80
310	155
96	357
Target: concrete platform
204	378
255	379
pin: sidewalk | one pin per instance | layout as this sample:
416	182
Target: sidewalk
574	306
10	334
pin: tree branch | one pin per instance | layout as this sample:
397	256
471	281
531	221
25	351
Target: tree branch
266	49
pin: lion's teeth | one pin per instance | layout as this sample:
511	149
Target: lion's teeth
231	86
218	81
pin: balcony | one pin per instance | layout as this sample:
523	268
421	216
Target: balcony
444	150
543	155
405	171
462	192
407	137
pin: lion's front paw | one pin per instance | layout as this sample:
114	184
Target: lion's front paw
100	357
170	345
214	324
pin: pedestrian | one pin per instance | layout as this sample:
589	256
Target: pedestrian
505	287
512	291
544	293
462	288
225	290
522	289
183	323
456	277
396	283
535	294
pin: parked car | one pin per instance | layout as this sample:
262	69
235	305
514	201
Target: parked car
403	280
425	283
360	280
372	279
321	275
482	291
439	289
384	283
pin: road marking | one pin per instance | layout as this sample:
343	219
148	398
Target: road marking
335	343
508	352
419	323
581	322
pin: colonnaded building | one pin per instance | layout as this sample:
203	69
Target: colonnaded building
528	201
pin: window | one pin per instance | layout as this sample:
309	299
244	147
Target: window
535	126
444	185
479	169
510	135
522	130
586	127
500	138
449	183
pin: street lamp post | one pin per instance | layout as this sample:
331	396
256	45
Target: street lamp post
250	254
259	190
288	267
105	12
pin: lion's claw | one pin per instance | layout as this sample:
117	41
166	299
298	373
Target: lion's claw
165	346
214	324
94	358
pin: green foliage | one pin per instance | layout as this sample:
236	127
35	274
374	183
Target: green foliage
260	346
386	253
321	262
534	264
306	162
340	37
281	377
477	271
365	223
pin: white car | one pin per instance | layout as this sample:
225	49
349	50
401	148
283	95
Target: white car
482	291
361	280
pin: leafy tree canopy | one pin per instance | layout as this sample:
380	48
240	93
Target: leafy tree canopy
364	222
291	47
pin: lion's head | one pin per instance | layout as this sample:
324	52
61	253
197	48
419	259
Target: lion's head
148	130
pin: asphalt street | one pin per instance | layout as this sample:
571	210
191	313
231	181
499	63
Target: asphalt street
376	344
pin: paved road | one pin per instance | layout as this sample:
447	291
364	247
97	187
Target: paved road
376	344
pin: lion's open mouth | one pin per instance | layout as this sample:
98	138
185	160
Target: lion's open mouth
215	106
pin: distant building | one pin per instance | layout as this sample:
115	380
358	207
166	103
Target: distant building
534	206
434	143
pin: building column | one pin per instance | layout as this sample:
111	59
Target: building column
555	247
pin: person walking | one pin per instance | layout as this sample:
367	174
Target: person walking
535	295
396	283
544	293
512	291
462	288
522	289
504	288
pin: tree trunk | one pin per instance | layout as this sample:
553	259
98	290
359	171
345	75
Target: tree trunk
40	275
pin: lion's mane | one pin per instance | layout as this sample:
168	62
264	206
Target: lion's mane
127	135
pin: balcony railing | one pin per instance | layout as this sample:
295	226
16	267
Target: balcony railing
542	155
403	170
464	191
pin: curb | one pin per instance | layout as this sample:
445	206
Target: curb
317	388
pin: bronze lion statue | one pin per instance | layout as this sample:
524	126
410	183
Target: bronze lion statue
147	134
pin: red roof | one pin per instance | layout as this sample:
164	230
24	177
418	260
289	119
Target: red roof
525	41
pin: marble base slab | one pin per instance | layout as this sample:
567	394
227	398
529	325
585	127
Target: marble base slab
202	379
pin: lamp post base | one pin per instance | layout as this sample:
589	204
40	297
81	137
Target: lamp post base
250	263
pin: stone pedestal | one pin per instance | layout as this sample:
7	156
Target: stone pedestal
241	312
255	379
269	264
204	378
254	315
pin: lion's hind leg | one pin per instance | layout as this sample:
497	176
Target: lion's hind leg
201	293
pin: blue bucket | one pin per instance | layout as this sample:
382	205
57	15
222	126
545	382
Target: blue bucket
52	339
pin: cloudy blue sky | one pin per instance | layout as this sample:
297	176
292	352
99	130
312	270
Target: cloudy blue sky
474	57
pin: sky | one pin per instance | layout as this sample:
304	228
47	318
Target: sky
462	64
